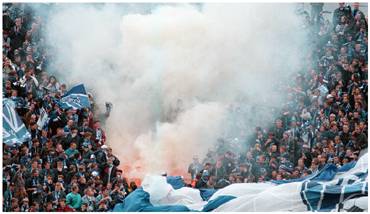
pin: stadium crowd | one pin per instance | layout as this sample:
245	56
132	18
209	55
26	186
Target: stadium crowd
324	120
66	165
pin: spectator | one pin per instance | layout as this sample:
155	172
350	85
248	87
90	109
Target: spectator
89	200
73	198
99	134
58	193
104	200
63	207
195	167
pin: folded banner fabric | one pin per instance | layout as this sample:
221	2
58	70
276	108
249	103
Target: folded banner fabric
330	189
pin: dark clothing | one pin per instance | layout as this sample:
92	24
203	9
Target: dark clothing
360	141
228	165
56	195
294	151
108	173
201	184
278	132
339	12
7	23
17	37
220	173
345	138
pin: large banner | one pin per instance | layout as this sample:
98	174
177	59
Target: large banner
330	189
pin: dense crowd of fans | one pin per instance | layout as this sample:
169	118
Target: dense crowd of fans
66	165
324	120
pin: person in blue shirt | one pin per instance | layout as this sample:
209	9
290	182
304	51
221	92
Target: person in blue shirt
73	198
72	150
68	127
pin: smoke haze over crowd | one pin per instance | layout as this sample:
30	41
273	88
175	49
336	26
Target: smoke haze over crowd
173	73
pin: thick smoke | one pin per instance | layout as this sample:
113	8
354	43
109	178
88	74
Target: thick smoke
175	73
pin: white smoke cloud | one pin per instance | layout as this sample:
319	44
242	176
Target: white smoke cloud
172	74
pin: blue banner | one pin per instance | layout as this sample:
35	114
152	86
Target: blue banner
75	98
14	130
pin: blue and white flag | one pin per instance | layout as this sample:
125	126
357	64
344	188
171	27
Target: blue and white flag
75	98
19	102
14	130
330	189
43	119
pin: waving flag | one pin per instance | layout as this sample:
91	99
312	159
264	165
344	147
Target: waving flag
43	119
331	189
75	98
14	130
